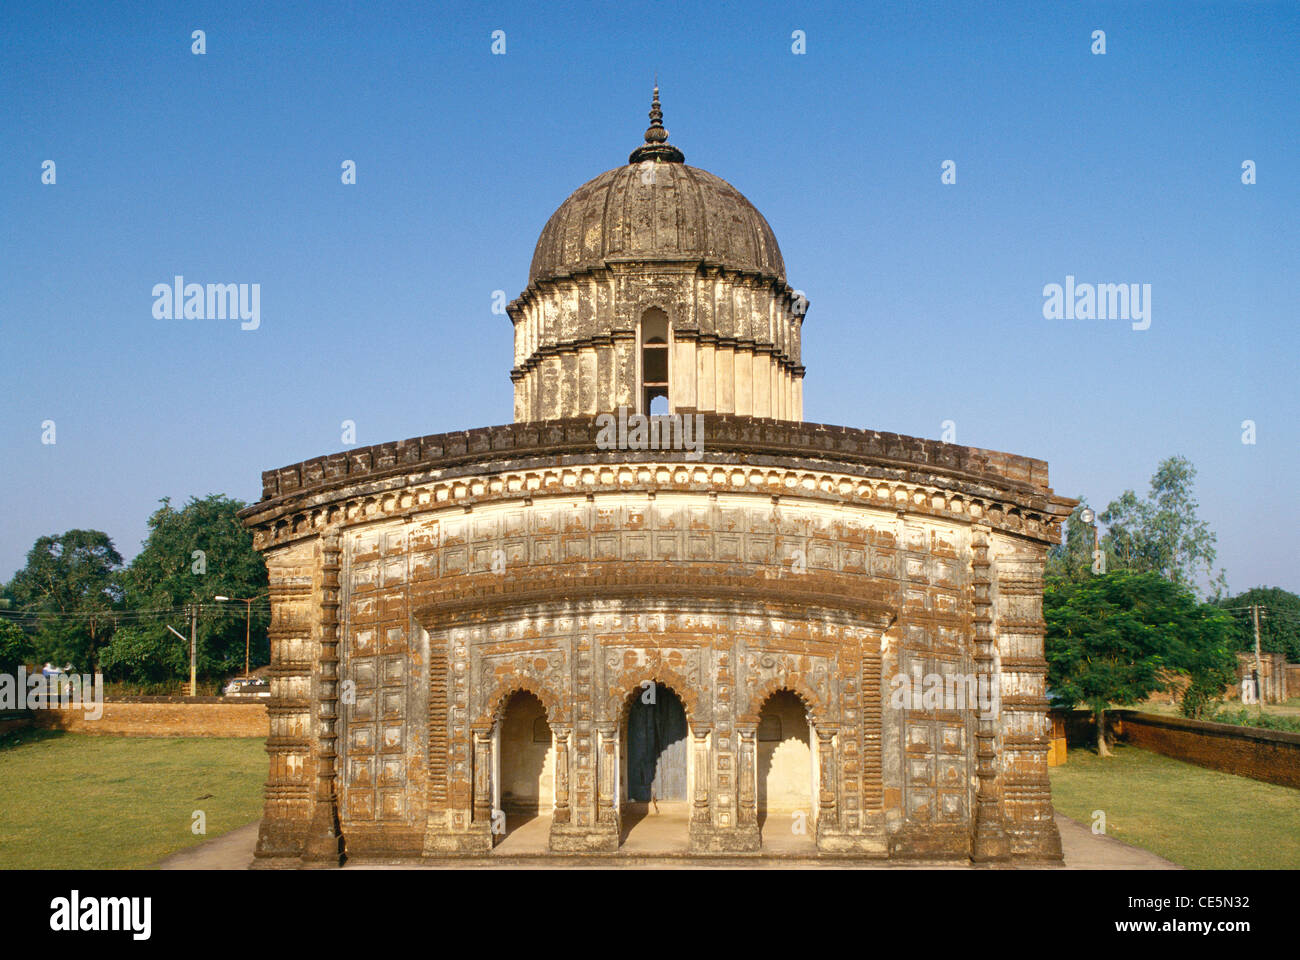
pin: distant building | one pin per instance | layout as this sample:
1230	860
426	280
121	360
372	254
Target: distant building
1271	679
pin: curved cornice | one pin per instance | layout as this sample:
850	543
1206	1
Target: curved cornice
613	267
728	440
741	456
474	598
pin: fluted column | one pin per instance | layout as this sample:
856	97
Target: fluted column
483	775
725	361
827	806
700	804
561	774
706	373
605	772
747	776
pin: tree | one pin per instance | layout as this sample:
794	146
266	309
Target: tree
1279	622
191	556
1203	653
15	646
72	580
1162	533
1119	637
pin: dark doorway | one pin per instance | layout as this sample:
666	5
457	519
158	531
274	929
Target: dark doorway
656	746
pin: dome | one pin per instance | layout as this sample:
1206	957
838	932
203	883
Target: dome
657	287
656	208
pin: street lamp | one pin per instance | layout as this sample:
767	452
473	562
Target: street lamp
248	615
1087	516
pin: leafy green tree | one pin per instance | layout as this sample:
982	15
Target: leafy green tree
1279	622
191	556
1119	637
1162	533
1203	653
72	579
15	646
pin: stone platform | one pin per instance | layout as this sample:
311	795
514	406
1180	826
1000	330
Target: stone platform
661	842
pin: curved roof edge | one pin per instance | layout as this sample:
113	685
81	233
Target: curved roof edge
740	440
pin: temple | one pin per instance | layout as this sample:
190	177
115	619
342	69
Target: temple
529	624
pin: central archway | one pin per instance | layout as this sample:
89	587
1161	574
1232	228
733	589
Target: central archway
655	774
657	738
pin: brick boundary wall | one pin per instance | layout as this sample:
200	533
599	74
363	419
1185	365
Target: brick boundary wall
1272	756
11	720
164	717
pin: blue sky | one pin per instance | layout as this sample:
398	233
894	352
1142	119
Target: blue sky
926	299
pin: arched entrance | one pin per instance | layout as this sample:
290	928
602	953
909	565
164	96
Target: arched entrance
656	746
786	772
525	753
656	771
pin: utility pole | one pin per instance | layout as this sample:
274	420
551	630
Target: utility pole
194	615
248	616
1259	667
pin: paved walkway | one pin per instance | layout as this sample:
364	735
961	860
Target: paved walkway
1085	850
230	851
659	841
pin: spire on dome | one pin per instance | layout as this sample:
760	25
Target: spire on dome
656	146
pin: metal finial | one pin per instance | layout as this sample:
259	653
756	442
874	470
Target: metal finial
656	133
656	145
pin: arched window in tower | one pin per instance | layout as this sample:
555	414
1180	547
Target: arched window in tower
654	362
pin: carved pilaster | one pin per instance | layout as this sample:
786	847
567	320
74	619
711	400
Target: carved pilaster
287	817
482	774
575	835
561	774
734	818
607	734
700	803
747	775
828	815
1026	792
324	845
989	841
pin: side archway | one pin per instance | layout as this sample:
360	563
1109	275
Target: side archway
786	767
494	704
817	711
525	759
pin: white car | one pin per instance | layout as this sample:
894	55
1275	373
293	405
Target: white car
248	687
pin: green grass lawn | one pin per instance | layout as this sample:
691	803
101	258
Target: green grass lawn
1195	817
71	800
1274	716
1289	708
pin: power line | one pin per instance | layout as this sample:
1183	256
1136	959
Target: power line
129	611
29	617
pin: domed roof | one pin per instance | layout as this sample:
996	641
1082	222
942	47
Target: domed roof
656	208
